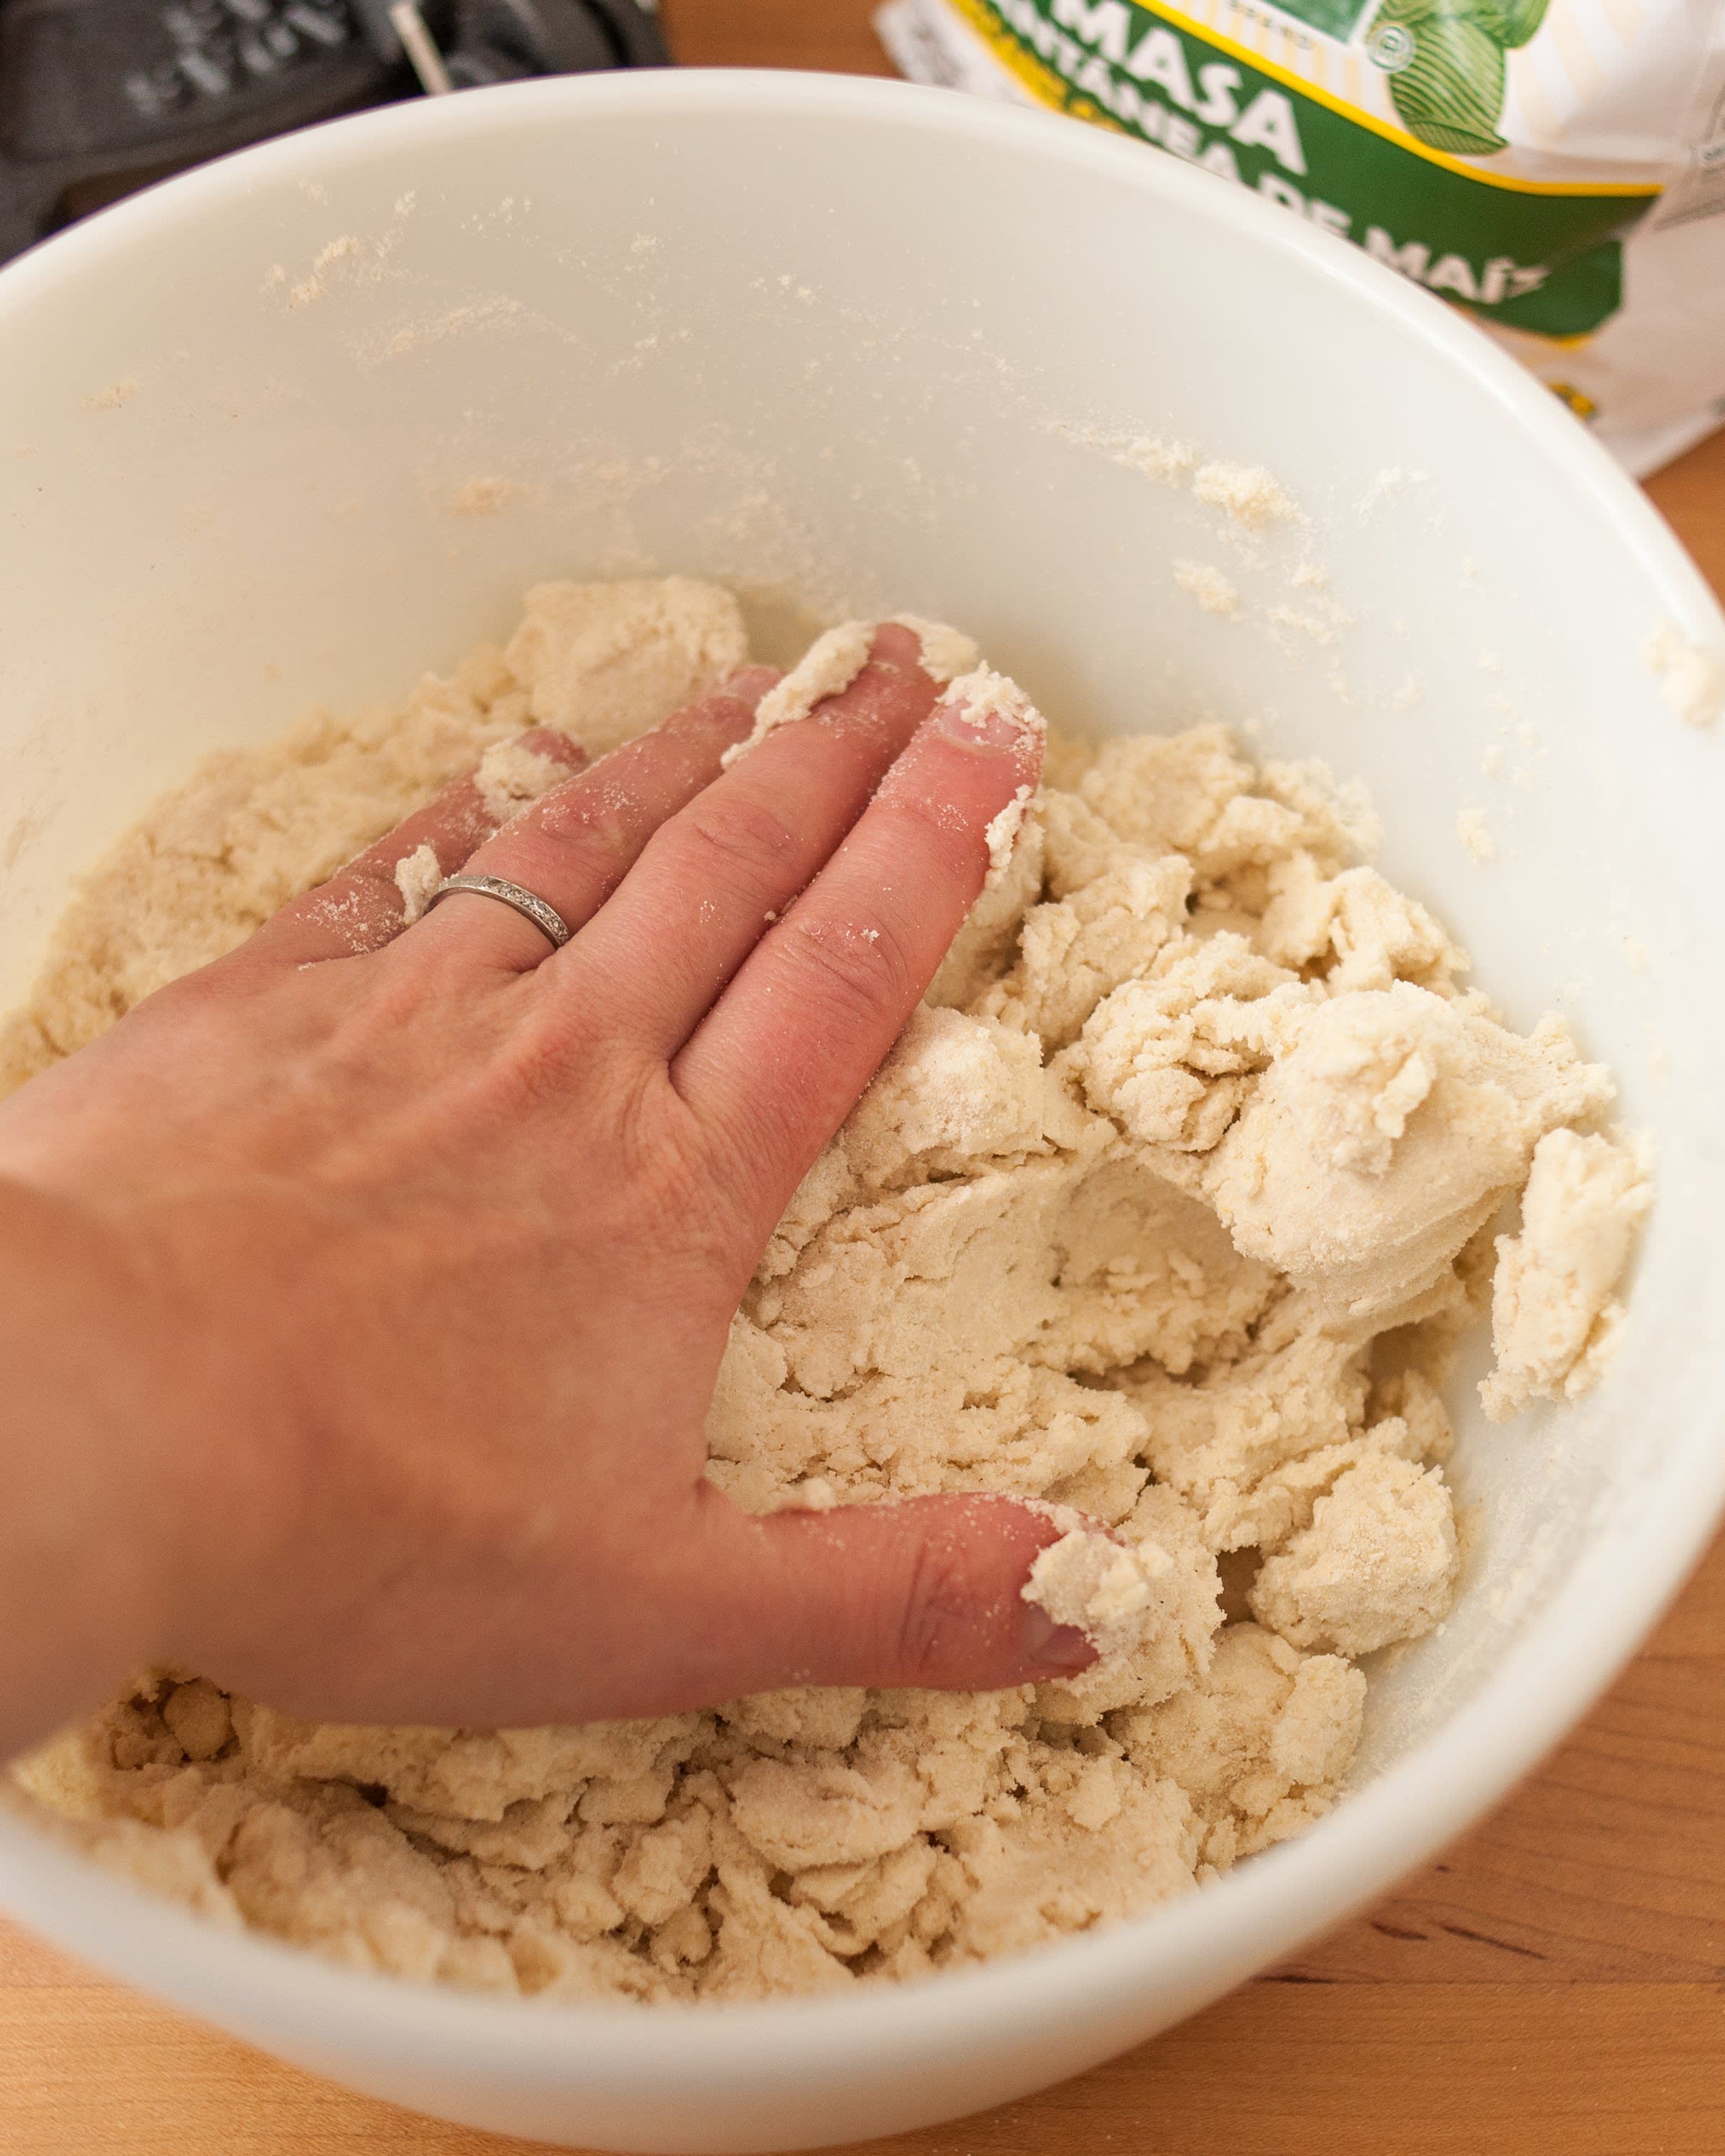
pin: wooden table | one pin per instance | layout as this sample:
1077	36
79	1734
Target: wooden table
1557	1983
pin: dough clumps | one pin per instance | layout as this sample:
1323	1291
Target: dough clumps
256	827
1197	1111
512	775
833	662
604	661
416	878
1554	1310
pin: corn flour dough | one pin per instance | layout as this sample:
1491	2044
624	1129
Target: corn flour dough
1165	1209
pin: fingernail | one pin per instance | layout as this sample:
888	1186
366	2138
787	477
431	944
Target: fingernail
1058	1649
987	728
749	683
553	743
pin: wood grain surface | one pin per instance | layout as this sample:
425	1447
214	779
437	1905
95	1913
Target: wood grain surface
1554	1987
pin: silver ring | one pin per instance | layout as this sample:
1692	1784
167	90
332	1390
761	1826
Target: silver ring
528	903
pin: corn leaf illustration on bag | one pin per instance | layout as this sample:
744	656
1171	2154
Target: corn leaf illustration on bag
1554	168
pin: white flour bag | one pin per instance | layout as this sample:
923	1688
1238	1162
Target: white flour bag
1556	167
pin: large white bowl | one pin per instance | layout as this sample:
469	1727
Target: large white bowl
866	346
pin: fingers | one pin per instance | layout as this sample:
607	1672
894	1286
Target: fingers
573	848
384	889
784	1055
715	876
928	1592
689	1607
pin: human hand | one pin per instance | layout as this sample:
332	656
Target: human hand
416	1260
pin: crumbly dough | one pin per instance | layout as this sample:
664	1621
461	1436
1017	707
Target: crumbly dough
594	657
1249	494
510	775
834	660
417	875
257	827
829	667
1554	1309
1213	592
1197	1110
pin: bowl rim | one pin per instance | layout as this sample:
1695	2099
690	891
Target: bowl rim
1571	1649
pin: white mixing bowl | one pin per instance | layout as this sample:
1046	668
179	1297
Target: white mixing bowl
861	346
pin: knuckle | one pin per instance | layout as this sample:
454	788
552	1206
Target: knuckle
211	991
650	1196
738	843
539	1072
359	897
938	1606
863	967
551	1064
569	859
580	822
373	872
929	824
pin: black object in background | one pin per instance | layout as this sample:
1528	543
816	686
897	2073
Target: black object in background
98	97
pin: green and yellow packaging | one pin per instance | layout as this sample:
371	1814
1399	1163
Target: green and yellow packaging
1556	167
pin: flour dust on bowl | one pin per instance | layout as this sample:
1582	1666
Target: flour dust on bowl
287	430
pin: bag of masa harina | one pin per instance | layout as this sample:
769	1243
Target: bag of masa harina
1557	168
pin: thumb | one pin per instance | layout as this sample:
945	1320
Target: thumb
927	1591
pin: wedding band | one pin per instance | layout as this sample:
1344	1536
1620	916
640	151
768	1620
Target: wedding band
528	903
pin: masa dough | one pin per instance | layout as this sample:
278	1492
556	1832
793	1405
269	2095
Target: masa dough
833	661
1196	1112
